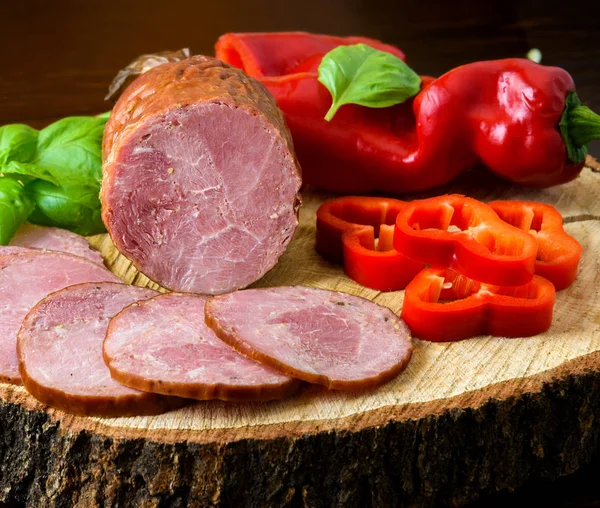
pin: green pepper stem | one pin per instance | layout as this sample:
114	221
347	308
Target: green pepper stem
578	125
584	125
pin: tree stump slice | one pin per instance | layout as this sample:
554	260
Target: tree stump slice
463	419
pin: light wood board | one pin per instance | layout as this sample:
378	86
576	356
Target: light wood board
441	377
437	371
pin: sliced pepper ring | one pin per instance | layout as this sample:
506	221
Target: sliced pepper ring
346	232
441	305
558	253
463	234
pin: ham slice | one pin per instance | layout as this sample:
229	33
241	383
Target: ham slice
6	250
26	278
162	345
54	239
334	339
60	352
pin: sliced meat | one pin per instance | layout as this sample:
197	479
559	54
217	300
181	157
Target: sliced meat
341	341
60	352
13	249
162	345
55	239
26	278
201	184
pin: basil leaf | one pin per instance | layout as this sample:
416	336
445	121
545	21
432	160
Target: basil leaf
18	142
62	169
71	150
73	207
105	115
15	206
18	146
27	172
360	74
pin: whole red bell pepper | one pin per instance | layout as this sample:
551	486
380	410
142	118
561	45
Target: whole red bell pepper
521	119
346	232
440	305
558	252
467	236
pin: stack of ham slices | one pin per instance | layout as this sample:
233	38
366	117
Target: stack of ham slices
82	341
200	191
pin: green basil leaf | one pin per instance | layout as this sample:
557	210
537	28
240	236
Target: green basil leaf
73	207
71	150
15	207
360	74
105	115
18	146
18	142
27	172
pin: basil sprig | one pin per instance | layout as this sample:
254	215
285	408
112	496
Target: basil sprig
18	147
18	143
360	74
73	207
15	207
71	150
52	177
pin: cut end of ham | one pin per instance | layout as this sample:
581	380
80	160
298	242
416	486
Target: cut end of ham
334	339
201	185
60	352
27	277
162	345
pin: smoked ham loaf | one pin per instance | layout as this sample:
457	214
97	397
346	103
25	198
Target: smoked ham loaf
201	183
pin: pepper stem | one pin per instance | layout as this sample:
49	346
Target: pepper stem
578	125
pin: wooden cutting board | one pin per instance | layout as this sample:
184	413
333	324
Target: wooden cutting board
464	418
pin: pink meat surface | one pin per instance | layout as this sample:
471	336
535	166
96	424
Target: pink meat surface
55	239
200	200
163	345
325	337
26	278
60	344
13	249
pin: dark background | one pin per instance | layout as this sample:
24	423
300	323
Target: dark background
58	57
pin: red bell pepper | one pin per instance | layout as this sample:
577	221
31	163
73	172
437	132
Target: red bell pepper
346	231
504	114
558	253
463	234
440	305
278	54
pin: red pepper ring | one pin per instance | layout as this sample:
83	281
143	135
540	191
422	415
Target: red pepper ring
558	252
346	232
441	305
463	234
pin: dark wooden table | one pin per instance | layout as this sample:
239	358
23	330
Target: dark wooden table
58	57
